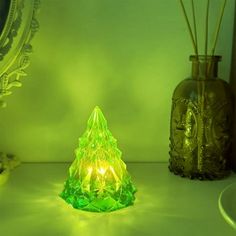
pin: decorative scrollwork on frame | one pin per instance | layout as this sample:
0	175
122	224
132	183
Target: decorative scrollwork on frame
15	66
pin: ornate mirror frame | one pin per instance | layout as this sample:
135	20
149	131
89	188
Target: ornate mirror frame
18	25
15	43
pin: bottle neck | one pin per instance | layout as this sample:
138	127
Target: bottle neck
205	67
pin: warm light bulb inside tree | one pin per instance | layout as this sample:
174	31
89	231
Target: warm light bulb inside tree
98	179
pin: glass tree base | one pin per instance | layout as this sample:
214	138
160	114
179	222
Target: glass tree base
109	200
191	174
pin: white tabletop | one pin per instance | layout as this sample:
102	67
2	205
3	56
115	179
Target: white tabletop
166	205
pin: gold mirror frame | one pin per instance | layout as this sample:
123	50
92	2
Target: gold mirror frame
15	44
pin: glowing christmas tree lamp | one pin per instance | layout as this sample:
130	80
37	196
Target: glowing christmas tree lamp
98	179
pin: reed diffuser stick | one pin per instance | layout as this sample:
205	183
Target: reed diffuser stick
189	27
218	27
194	37
195	27
206	36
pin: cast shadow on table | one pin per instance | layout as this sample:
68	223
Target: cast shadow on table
37	208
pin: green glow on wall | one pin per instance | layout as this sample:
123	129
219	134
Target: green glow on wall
126	57
98	179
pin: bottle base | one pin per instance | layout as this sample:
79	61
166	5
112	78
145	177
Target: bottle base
199	175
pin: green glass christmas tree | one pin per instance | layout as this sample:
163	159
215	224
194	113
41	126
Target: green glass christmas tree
98	180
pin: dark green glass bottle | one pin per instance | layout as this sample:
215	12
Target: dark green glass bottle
201	123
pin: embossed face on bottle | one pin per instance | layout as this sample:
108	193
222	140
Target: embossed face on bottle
184	128
178	126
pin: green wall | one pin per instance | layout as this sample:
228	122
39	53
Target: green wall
126	56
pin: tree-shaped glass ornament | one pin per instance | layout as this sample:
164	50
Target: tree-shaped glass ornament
98	180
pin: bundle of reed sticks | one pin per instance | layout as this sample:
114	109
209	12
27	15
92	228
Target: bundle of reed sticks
201	83
193	33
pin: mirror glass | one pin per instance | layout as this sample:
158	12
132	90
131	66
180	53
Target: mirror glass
4	9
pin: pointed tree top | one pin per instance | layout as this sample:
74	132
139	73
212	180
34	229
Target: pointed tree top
97	119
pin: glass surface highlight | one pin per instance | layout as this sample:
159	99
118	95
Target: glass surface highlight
227	204
98	180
